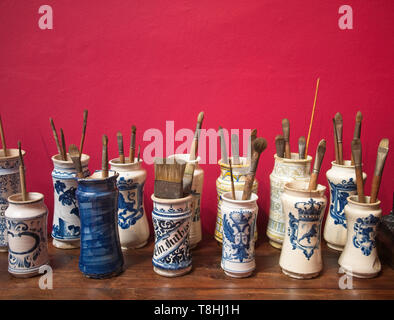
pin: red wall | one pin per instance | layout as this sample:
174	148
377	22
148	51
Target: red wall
247	64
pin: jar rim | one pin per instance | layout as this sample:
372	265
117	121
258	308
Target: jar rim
302	187
14	154
293	160
184	155
353	200
244	163
112	174
116	162
238	197
57	159
32	197
171	201
347	164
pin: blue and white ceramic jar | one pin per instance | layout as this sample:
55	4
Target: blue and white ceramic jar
132	221
301	256
100	253
171	223
66	227
239	224
9	185
342	183
27	234
359	258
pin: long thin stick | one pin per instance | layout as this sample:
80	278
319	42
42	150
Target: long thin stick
313	114
232	180
64	150
85	120
59	148
104	163
3	138
22	173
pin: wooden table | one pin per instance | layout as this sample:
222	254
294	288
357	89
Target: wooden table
206	281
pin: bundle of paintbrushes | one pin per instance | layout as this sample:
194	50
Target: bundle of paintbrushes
5	153
282	143
131	158
379	166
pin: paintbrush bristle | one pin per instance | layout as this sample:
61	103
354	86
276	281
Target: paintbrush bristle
286	128
105	140
259	145
384	145
133	128
280	145
321	148
169	178
357	151
383	149
338	118
320	151
200	117
302	140
20	154
359	117
253	133
75	157
73	151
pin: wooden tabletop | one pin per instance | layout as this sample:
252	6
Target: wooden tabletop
206	280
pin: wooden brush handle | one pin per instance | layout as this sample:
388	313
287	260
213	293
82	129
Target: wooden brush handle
247	192
193	149
375	188
64	152
131	155
340	153
232	180
313	181
3	138
360	185
104	163
85	120
287	150
59	148
351	159
23	182
121	158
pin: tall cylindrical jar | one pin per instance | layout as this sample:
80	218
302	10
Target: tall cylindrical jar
285	170
198	181
239	224
66	226
132	222
27	234
171	223
9	185
359	258
342	183
100	253
301	256
223	185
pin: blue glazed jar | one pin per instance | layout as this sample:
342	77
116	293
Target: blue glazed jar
100	254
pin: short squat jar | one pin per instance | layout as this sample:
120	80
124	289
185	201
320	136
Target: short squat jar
342	183
66	226
239	224
27	234
132	222
359	257
223	185
9	185
285	170
301	256
171	223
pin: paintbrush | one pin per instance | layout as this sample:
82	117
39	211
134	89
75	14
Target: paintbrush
232	180
64	150
259	146
168	178
338	130
59	148
85	120
104	163
301	147
357	156
357	130
252	137
138	156
235	148
189	169
120	146
3	138
335	143
379	166
286	136
280	146
132	144
223	147
320	151
22	173
76	159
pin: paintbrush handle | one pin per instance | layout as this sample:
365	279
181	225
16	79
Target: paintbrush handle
193	149
249	178
64	154
287	150
85	120
360	185
313	181
59	148
104	163
232	180
3	138
375	188
23	182
351	159
340	153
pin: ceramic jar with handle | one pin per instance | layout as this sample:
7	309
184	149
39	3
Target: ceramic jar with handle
27	234
66	224
239	224
9	185
132	221
359	258
285	170
301	256
342	183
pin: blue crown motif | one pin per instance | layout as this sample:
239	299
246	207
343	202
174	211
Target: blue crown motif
309	211
124	184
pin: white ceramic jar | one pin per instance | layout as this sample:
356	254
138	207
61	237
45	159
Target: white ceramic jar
239	224
301	256
9	185
359	258
223	185
27	234
66	226
285	170
132	221
342	183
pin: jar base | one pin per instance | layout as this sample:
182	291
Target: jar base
300	276
68	244
104	276
171	273
138	246
335	246
238	275
28	274
360	275
275	244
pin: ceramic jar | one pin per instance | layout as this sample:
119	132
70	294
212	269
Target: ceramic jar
285	170
223	185
171	223
239	224
9	185
132	222
301	256
359	258
198	181
100	253
27	234
342	183
66	224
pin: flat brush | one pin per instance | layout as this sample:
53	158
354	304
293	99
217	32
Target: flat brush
320	151
223	147
235	148
286	136
3	138
132	144
357	156
335	142
85	121
232	180
338	129
22	173
59	148
357	130
76	159
383	149
120	146
259	146
104	163
301	147
64	150
168	178
280	146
